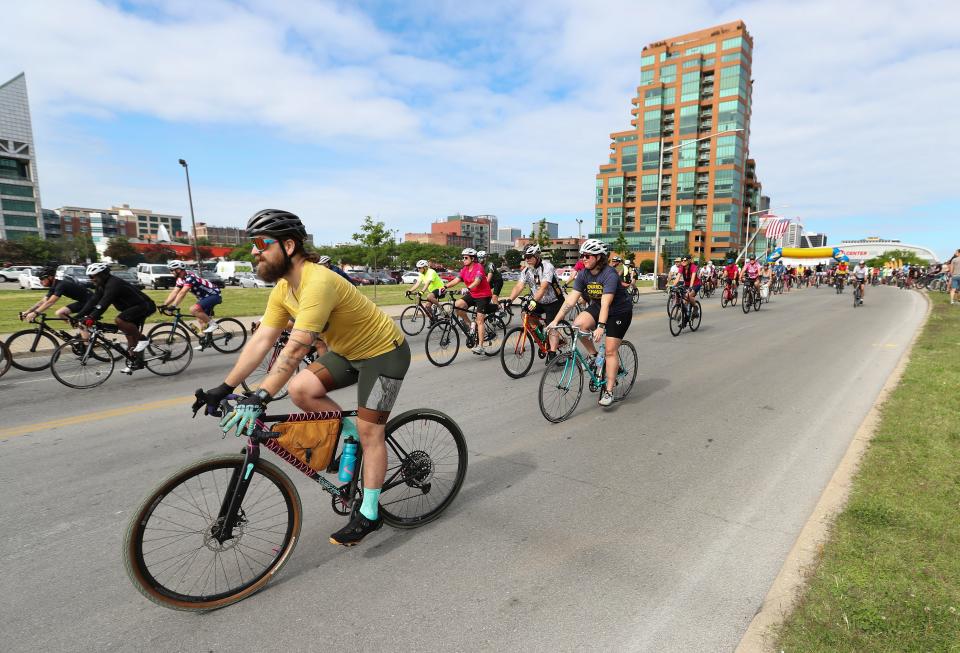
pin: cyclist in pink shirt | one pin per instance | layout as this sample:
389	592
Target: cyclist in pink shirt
751	271
474	277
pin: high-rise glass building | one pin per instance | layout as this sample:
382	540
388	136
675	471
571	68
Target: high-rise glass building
20	214
691	87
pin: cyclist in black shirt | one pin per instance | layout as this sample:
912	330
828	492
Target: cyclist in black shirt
67	286
134	307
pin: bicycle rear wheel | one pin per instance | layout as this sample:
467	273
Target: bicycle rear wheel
627	374
517	353
75	368
757	300
169	352
229	337
676	320
172	556
30	350
442	343
412	320
561	387
493	333
426	465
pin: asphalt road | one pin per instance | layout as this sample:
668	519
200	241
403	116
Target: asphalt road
658	525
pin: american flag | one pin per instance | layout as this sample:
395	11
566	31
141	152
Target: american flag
776	227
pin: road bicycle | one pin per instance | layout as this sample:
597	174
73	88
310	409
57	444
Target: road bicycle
220	529
634	294
707	288
751	297
684	315
729	295
5	358
36	345
857	294
415	317
561	384
776	286
252	382
82	365
443	339
524	343
229	336
839	285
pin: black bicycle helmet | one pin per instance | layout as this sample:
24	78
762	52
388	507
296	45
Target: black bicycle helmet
48	271
274	222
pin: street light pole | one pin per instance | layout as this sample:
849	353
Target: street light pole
746	242
579	230
193	221
656	237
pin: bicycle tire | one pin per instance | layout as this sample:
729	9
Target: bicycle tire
31	356
167	327
445	338
172	348
635	295
4	358
671	302
506	316
517	353
723	300
74	372
493	332
252	382
412	320
423	462
746	303
676	320
144	578
627	374
229	340
696	315
757	300
550	382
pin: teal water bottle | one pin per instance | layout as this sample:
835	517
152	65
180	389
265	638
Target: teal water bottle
348	460
600	358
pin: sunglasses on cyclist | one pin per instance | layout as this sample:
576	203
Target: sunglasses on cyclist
262	243
588	256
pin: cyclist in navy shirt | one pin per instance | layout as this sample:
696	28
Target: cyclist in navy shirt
66	287
609	312
208	295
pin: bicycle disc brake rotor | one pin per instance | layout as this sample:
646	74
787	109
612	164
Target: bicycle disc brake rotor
210	537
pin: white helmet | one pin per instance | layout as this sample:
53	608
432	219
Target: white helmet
615	258
594	246
422	263
323	260
531	250
469	252
97	268
481	254
175	265
863	262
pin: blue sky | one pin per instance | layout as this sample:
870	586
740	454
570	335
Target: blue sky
412	111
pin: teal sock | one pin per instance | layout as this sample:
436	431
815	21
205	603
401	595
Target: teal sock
370	507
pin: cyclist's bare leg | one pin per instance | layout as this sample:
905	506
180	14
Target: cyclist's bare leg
611	346
202	317
462	313
308	393
130	330
585	322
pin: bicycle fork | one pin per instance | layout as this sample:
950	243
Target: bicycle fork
222	529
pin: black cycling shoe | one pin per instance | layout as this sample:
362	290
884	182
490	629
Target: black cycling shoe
550	356
358	528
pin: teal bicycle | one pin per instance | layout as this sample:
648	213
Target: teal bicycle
561	385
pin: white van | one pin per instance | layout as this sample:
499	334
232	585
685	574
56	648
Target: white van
230	271
155	275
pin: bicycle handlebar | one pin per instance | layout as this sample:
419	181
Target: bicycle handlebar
224	408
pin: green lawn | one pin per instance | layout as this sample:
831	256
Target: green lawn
889	578
237	302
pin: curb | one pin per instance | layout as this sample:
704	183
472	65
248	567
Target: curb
792	578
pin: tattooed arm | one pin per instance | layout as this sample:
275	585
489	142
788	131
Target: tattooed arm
289	360
253	353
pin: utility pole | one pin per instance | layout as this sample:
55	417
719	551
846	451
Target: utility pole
196	249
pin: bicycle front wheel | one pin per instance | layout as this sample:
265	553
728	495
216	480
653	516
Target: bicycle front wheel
412	320
561	387
747	302
695	316
627	374
169	352
81	367
170	549
426	465
517	353
30	350
442	343
676	320
229	337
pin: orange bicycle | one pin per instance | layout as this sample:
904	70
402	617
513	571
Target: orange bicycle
523	343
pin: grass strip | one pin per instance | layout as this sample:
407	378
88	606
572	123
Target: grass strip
889	576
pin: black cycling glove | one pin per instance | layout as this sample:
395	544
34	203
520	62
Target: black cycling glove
216	395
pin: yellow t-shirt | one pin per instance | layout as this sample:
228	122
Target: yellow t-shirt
328	304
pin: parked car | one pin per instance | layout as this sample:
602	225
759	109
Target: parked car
383	278
12	273
230	271
29	280
129	276
511	276
76	272
250	280
362	278
213	278
647	276
410	277
447	275
155	275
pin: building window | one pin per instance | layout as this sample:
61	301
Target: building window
14	168
668	74
599	190
730	115
721	217
20	221
647	60
729	44
684	217
688	119
646	77
669	95
19	205
614	218
19	191
651	124
726	183
653	97
598	220
688	154
708	48
648	188
690	90
685	182
733	81
615	189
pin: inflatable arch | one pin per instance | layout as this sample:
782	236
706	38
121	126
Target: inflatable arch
808	252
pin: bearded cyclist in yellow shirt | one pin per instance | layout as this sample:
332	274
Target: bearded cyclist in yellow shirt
364	348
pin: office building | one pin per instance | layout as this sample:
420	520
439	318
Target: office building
562	252
694	91
813	240
444	239
868	248
473	227
221	235
20	212
553	229
508	234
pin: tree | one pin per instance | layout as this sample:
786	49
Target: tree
241	253
540	235
121	251
513	257
205	252
905	256
375	237
203	242
495	259
621	245
646	266
156	253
